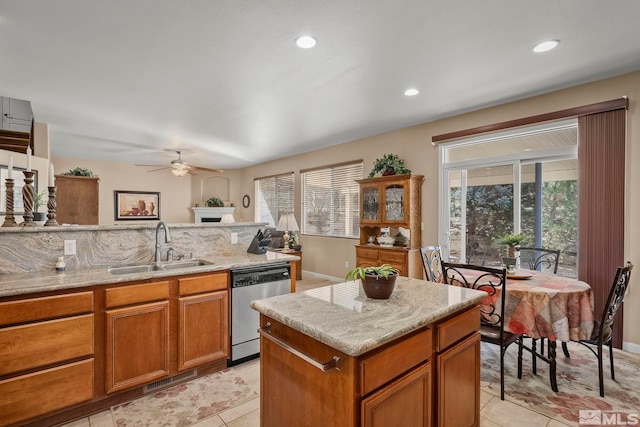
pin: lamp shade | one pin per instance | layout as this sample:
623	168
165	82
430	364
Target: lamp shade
179	172
287	222
227	218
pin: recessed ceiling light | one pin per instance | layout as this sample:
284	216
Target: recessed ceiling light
545	46
411	92
306	42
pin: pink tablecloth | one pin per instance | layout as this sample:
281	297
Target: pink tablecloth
549	306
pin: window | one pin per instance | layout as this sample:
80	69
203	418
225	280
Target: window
516	181
330	200
274	197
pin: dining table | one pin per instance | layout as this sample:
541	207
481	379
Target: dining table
545	305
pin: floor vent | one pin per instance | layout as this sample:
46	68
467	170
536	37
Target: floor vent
184	376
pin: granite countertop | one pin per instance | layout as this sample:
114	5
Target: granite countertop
342	317
50	280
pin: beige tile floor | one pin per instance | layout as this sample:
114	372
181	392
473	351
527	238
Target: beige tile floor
494	412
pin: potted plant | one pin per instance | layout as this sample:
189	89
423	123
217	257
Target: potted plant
377	282
512	241
39	199
214	202
294	242
389	164
79	172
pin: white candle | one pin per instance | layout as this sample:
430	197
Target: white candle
10	167
28	159
52	182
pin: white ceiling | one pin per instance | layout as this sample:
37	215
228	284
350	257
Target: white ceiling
223	80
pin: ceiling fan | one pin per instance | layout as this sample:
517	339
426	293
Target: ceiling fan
180	168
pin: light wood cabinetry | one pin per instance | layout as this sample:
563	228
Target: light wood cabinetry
77	200
458	370
391	201
429	377
63	356
203	326
46	355
137	334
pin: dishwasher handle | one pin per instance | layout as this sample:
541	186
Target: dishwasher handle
265	332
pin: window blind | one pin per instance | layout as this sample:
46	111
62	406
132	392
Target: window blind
274	197
330	200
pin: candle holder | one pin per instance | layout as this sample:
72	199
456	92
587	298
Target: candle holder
27	199
51	206
9	219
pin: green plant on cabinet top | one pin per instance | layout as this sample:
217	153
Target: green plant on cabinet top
389	164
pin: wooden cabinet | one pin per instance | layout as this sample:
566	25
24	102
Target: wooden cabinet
203	326
391	201
458	370
77	200
46	355
137	335
428	377
388	386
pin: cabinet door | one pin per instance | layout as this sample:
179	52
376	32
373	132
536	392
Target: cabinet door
396	203
137	345
370	199
405	402
459	381
203	329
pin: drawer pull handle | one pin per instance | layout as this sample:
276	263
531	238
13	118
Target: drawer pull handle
324	367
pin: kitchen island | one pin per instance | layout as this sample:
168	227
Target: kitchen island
332	356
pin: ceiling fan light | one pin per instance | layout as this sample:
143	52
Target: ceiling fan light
179	172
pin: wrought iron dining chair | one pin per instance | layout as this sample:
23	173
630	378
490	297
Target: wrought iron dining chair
493	282
603	330
432	263
540	259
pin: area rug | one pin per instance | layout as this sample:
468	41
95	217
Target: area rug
577	378
187	403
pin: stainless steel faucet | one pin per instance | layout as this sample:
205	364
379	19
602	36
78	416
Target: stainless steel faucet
167	239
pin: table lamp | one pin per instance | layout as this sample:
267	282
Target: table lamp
287	222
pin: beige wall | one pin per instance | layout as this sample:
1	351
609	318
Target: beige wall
329	255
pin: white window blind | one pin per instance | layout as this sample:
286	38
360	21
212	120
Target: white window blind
330	200
274	197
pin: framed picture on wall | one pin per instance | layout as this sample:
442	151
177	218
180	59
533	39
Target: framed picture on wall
18	183
136	205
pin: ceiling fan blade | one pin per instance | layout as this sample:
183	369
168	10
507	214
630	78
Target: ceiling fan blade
207	169
160	169
192	171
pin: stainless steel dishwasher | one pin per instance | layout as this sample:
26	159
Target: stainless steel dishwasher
250	284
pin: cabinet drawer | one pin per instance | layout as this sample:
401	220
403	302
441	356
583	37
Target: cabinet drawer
371	254
389	257
40	344
197	285
45	391
134	294
29	310
453	330
387	364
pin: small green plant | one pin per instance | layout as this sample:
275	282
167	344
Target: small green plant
384	270
512	239
79	172
214	202
389	164
39	199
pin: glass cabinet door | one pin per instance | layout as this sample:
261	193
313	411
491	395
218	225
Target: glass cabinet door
370	203
394	197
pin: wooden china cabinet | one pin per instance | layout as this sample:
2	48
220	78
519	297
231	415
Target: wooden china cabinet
391	201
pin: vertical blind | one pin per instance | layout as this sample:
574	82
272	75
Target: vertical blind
274	197
330	200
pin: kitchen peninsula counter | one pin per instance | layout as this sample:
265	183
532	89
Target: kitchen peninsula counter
344	359
50	280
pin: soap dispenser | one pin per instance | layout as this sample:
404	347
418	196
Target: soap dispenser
60	265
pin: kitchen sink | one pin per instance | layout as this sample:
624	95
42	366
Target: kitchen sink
184	264
129	269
